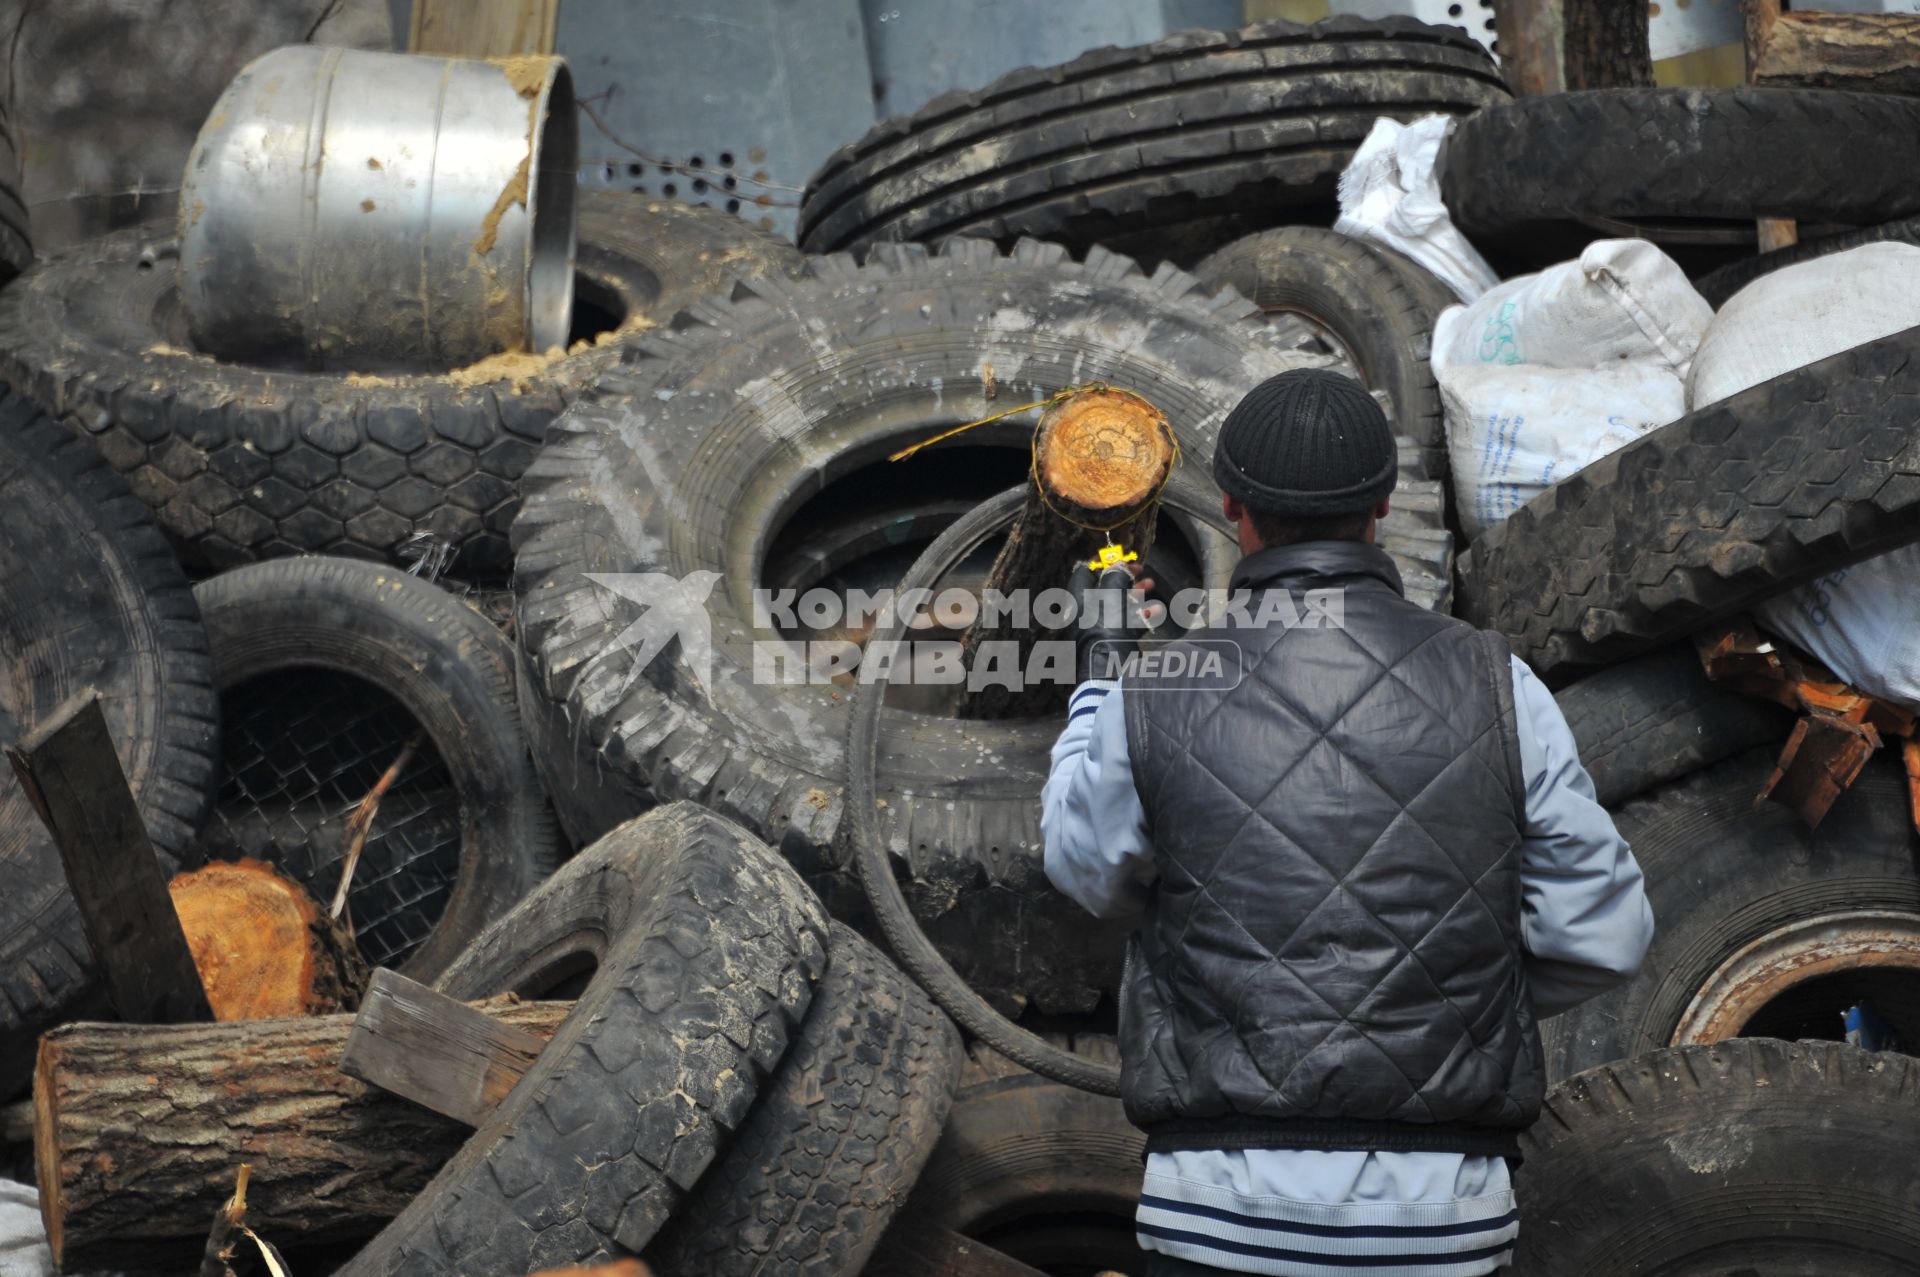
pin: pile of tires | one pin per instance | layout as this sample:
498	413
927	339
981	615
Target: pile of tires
243	462
765	421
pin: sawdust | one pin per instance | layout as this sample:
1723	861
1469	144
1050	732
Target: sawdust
367	206
527	75
374	164
162	348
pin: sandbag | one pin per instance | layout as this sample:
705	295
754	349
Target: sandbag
1390	195
1858	620
1547	373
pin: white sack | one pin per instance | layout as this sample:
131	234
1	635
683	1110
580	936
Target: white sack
1513	432
1549	372
1804	313
1390	194
1862	622
23	1237
1621	299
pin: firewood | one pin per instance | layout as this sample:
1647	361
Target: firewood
1101	460
139	1132
263	945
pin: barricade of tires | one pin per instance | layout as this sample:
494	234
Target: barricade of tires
481	655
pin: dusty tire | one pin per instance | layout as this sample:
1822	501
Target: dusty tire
1735	154
836	1139
693	1005
1044	1172
1757	915
1719	285
722	430
1746	1157
1133	143
1654	719
1360	293
452	671
16	245
90	595
1734	502
242	462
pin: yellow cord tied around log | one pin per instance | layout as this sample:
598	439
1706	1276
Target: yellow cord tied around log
1033	450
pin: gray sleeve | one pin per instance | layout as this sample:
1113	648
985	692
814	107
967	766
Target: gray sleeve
1585	919
1090	814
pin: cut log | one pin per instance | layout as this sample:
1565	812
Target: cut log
1100	461
263	945
1608	45
140	1131
1871	52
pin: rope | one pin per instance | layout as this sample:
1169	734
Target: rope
1033	455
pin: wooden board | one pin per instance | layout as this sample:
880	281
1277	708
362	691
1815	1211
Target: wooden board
69	770
483	28
442	1054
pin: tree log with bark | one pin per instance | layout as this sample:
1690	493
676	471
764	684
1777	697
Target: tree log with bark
139	1132
1607	44
1100	461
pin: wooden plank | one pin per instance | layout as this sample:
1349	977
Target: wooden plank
1873	52
440	1053
70	773
1529	40
915	1247
483	28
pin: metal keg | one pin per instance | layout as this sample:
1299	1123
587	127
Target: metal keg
381	210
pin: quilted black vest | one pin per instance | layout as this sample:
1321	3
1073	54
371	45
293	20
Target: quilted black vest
1332	955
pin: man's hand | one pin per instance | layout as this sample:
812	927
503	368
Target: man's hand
1112	612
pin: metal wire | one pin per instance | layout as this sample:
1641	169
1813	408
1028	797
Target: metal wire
300	749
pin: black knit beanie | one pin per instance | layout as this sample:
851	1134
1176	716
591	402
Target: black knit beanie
1305	445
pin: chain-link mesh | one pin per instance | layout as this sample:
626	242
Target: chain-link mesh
301	748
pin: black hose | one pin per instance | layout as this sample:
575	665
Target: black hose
909	943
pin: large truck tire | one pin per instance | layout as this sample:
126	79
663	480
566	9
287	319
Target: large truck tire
1762	926
1367	299
1041	1171
243	462
1648	153
1736	501
90	597
16	245
1752	1156
726	433
837	1138
1719	285
1121	146
452	671
691	1008
1658	717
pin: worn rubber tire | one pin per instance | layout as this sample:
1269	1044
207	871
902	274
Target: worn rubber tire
720	428
1719	285
1255	125
1655	718
1744	1157
90	596
453	671
694	1003
1039	1170
1360	293
836	1139
16	245
243	462
1737	154
1734	502
1722	873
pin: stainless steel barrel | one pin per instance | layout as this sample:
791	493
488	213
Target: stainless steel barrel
380	210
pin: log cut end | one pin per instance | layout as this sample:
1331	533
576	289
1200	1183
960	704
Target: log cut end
1103	450
46	1146
264	947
